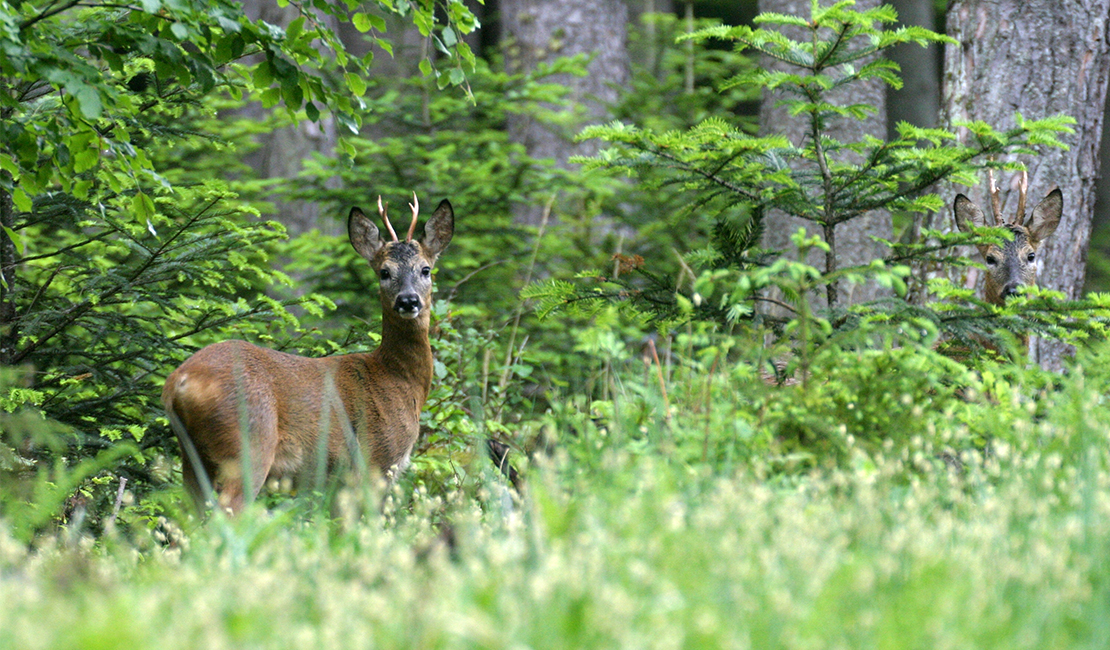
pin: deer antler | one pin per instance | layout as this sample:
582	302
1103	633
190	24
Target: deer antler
415	205
385	218
1023	187
996	199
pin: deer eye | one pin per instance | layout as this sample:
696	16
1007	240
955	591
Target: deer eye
992	260
1032	257
384	274
426	271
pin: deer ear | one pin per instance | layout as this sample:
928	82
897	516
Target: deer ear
364	234
439	229
1046	216
967	214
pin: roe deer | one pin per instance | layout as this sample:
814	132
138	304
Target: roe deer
303	414
1014	263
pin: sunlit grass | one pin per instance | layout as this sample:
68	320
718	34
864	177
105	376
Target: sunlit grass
624	539
856	560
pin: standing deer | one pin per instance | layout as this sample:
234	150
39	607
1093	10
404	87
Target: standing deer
298	412
1013	264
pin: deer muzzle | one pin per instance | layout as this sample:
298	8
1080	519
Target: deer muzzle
1014	276
407	305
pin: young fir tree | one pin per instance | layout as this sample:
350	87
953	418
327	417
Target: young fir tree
733	177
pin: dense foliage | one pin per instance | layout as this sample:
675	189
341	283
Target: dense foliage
117	262
688	469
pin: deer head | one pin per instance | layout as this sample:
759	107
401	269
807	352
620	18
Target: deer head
404	268
1014	263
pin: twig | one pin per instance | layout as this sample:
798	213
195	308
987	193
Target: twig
466	278
662	385
774	301
48	13
685	269
119	502
708	384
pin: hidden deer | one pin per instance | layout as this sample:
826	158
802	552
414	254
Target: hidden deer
1013	264
296	414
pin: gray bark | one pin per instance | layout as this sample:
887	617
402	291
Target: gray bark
853	243
9	260
918	100
1039	58
637	8
282	152
539	31
648	54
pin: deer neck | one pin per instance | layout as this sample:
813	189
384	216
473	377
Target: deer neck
405	349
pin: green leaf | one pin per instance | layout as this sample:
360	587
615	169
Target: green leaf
262	76
292	94
85	149
81	189
424	22
88	99
21	200
295	29
350	121
283	70
449	38
270	97
143	207
356	84
8	164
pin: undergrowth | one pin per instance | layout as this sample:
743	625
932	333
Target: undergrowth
698	504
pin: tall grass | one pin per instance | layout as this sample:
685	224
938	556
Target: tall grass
625	539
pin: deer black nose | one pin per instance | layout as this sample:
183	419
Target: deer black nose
1009	290
407	304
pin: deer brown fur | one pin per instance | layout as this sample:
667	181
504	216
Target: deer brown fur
1013	264
368	405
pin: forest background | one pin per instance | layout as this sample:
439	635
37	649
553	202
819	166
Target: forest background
709	428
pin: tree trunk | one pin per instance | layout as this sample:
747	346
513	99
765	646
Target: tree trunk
854	245
648	55
918	100
1039	58
9	258
539	31
282	152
